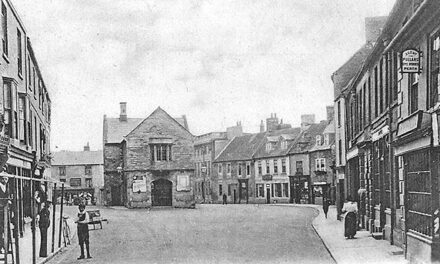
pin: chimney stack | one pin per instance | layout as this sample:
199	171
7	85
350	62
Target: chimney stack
87	147
330	113
307	121
123	114
261	126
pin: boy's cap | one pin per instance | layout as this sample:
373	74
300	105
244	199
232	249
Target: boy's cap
82	206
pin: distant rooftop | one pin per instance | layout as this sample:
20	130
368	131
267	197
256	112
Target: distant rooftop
64	158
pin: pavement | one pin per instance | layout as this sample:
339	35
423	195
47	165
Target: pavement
363	249
25	242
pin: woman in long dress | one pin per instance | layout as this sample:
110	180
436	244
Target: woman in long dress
350	208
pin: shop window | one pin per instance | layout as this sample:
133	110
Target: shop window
277	189
75	182
285	189
259	190
418	192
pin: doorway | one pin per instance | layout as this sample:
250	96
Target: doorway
116	196
162	193
267	194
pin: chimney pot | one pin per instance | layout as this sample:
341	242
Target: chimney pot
87	147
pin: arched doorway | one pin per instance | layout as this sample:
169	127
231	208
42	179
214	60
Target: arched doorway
162	193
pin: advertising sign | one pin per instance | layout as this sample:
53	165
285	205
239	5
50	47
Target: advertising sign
410	61
139	185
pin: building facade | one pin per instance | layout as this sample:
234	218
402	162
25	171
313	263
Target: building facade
391	131
206	148
25	112
83	173
153	163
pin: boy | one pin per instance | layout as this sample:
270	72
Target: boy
83	231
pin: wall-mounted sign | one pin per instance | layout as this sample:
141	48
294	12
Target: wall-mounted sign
139	185
410	61
267	177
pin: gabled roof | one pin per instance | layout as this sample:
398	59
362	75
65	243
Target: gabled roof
115	130
157	111
330	129
307	138
276	149
342	76
64	158
241	148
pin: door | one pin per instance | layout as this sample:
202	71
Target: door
161	193
267	195
116	196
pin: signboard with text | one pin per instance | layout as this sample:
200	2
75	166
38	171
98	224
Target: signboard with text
410	61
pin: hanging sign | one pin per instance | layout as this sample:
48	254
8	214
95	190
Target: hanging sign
410	61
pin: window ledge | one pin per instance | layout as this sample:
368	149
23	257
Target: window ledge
5	57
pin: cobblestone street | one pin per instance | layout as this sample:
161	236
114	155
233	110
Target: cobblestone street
208	234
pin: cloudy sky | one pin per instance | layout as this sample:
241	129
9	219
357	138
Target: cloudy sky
218	62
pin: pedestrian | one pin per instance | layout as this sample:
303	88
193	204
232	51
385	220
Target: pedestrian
325	206
83	230
4	201
44	224
350	209
225	199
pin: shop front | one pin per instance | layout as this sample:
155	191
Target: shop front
300	189
418	199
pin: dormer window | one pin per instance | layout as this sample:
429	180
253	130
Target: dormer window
326	139
318	140
268	146
284	144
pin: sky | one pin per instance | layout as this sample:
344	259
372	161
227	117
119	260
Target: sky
217	62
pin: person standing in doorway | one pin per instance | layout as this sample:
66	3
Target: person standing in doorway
44	224
225	199
83	231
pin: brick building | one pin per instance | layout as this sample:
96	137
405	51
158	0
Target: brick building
148	162
83	171
389	111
